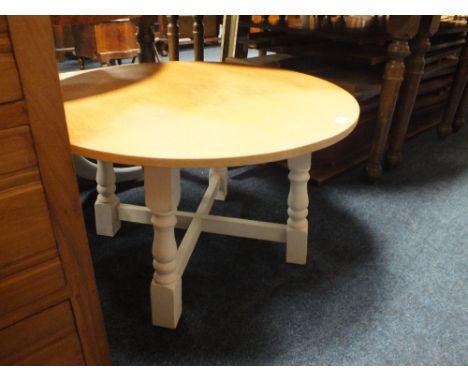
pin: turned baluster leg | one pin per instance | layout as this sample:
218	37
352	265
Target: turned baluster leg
162	193
402	28
456	92
414	71
173	37
198	38
81	62
106	207
298	202
282	21
146	39
462	109
222	172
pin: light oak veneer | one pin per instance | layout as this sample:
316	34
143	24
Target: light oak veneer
184	114
166	116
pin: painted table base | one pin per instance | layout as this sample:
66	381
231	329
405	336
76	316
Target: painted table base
162	196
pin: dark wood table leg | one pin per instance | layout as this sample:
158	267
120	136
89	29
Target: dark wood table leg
462	109
81	62
282	22
146	39
235	28
401	29
456	92
409	90
173	37
198	38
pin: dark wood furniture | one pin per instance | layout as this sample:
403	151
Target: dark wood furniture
64	42
197	33
49	308
401	29
456	93
146	35
106	42
185	27
369	61
415	63
108	39
462	109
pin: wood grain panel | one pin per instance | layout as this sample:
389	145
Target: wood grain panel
19	178
5	45
76	20
16	149
34	308
25	222
28	337
37	258
3	24
65	352
13	114
9	81
34	50
30	285
85	41
117	36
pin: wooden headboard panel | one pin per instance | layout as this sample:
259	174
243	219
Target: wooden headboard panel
49	307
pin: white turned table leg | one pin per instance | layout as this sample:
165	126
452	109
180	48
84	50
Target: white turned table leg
298	202
223	184
107	203
162	194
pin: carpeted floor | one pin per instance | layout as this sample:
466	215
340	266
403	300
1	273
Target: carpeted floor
386	282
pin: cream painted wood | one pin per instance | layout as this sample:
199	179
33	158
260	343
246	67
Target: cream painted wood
222	173
196	225
87	169
214	115
162	194
106	207
199	114
222	225
298	202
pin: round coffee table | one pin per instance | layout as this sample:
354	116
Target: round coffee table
183	115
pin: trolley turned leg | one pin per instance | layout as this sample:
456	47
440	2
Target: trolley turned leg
223	187
298	202
107	203
162	194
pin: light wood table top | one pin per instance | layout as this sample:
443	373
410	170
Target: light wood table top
187	114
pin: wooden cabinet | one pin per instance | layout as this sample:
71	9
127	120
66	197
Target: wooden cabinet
49	307
106	41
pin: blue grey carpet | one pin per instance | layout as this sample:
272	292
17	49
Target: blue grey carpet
386	282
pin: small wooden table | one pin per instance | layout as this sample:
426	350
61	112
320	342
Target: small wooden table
179	114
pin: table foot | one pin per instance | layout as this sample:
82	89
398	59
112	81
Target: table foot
166	303
394	158
222	172
459	123
106	207
373	171
444	130
298	202
162	195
